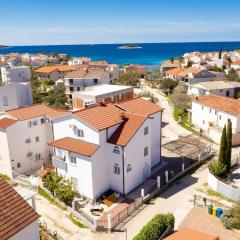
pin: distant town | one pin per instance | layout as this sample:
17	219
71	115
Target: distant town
94	150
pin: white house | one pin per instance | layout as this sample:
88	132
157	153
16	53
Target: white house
112	146
104	92
78	61
210	113
78	80
15	74
24	134
221	88
19	221
15	95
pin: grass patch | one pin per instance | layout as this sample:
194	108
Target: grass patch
5	177
47	196
76	221
219	195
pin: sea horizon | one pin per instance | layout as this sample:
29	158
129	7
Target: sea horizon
151	54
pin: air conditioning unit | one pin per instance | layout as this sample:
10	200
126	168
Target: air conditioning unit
29	154
28	140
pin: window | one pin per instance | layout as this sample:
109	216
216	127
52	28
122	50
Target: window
43	120
145	130
5	101
70	81
73	160
210	110
116	169
78	88
18	165
34	123
80	133
220	117
202	107
29	124
116	150
71	89
95	80
129	168
38	156
145	151
203	121
37	139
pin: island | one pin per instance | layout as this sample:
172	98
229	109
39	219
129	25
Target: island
3	46
132	46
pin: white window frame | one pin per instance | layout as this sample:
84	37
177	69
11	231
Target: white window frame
80	133
116	150
37	139
73	160
146	131
129	167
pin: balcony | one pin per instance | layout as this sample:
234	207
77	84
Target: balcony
59	162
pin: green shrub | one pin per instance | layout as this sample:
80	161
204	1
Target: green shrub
231	218
65	191
217	168
156	227
51	182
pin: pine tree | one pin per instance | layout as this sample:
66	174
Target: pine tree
229	146
223	147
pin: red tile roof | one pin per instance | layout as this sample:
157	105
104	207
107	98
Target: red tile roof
224	104
76	146
37	110
101	117
187	234
6	122
15	213
236	62
139	106
127	129
50	69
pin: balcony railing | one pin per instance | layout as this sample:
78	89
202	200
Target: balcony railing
59	162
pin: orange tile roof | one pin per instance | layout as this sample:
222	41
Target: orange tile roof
236	62
139	106
188	234
225	104
38	110
76	146
60	68
192	70
101	117
174	71
127	129
15	213
6	122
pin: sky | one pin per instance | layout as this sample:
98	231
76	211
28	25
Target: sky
46	22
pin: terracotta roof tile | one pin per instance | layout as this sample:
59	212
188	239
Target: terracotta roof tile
187	234
60	68
225	104
139	106
127	129
6	122
15	212
101	117
76	146
37	110
236	62
174	71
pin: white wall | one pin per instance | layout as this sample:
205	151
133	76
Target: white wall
201	116
15	95
31	232
18	149
16	74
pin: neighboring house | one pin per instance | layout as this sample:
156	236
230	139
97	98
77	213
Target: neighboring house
210	113
142	70
24	134
189	75
18	220
78	61
112	146
54	72
15	74
15	95
236	65
78	80
189	234
169	65
105	93
221	88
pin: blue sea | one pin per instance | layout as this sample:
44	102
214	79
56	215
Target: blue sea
150	54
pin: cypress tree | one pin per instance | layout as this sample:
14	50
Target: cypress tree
229	146
223	147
